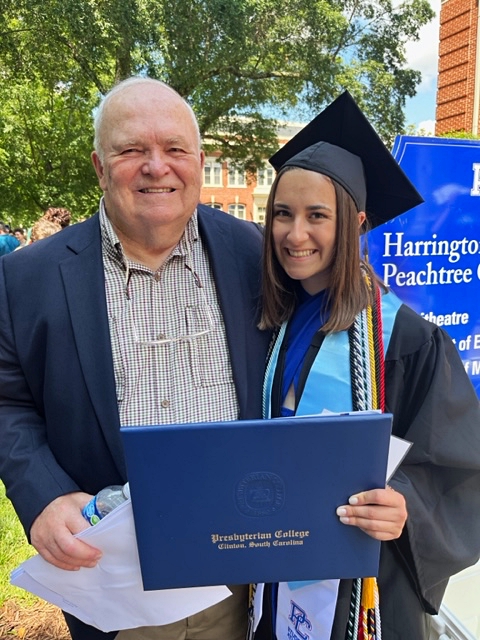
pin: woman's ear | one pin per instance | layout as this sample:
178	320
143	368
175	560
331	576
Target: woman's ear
362	216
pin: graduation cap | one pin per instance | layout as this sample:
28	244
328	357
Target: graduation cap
342	144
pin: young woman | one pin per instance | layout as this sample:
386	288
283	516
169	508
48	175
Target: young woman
344	342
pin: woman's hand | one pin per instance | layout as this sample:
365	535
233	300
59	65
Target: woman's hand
381	513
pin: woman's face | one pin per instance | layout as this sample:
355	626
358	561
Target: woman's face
304	227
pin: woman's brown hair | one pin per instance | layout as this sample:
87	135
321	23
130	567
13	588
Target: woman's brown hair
348	292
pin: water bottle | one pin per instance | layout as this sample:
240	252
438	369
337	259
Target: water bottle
105	501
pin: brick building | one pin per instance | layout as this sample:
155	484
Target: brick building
458	92
231	190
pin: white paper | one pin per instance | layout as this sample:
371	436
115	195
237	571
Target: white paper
110	596
398	450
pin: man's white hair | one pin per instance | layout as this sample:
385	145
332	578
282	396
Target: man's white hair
118	89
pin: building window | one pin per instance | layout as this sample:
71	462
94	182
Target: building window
212	173
237	210
236	178
214	205
260	214
265	176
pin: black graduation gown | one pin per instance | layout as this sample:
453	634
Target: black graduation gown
434	406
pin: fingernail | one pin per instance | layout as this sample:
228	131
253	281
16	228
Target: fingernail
345	520
353	500
341	511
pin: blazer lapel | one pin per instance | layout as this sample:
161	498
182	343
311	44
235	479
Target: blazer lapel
232	293
85	293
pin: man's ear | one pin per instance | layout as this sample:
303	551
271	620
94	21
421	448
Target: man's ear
98	166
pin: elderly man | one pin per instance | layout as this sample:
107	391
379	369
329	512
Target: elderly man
144	314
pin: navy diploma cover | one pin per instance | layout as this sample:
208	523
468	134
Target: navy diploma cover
253	500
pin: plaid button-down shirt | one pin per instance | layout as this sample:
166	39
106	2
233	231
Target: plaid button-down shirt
180	381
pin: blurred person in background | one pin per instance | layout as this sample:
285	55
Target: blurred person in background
60	215
20	235
44	228
8	243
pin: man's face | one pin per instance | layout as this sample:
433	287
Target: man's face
151	172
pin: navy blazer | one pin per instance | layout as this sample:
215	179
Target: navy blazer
59	423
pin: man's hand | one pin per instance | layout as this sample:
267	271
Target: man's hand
381	513
52	533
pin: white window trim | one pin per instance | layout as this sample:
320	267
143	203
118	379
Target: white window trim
213	163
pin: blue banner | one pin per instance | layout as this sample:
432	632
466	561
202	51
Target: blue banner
430	255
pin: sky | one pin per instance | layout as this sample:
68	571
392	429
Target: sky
423	56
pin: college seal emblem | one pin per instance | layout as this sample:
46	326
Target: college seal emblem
260	493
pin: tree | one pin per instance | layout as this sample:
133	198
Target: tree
241	64
44	152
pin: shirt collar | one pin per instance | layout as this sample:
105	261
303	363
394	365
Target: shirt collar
113	247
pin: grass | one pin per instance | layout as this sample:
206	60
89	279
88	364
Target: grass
14	549
22	615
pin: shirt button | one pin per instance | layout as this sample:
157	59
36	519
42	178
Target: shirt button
165	404
157	277
161	336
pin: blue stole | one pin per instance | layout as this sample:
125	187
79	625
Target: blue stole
328	385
